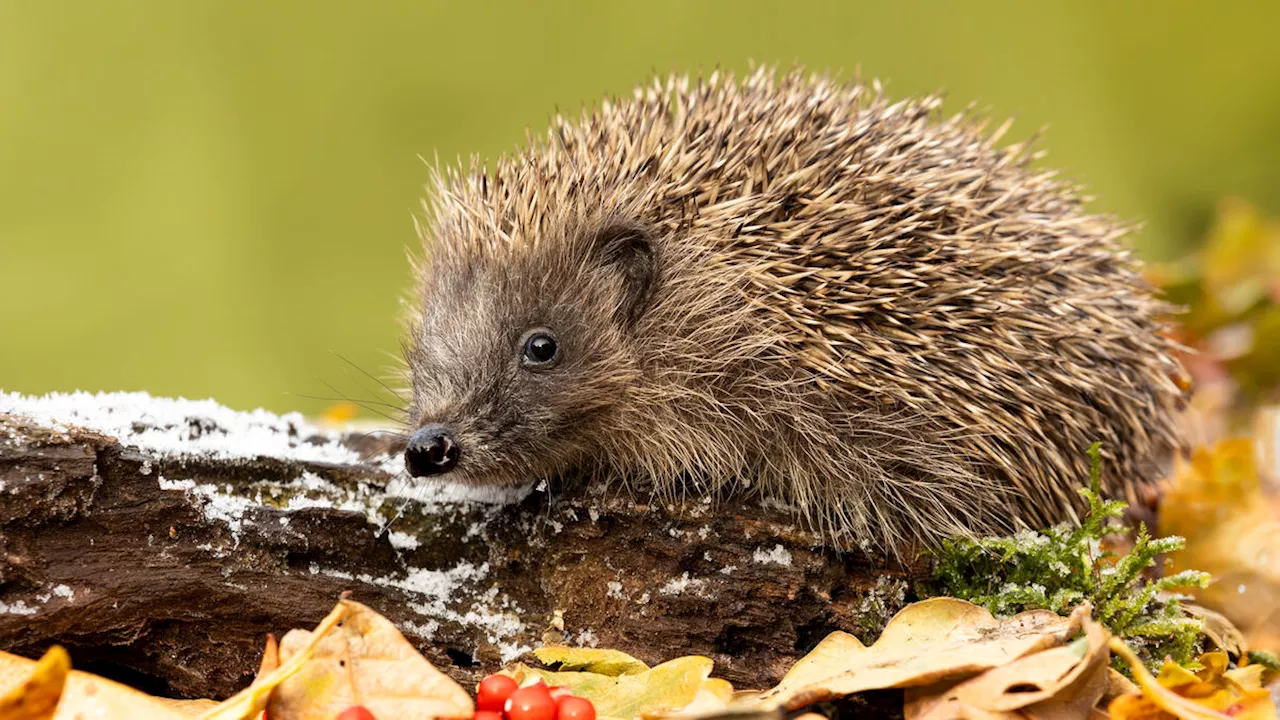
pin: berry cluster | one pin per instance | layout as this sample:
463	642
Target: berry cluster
500	698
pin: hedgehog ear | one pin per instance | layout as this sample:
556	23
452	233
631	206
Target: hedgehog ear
628	248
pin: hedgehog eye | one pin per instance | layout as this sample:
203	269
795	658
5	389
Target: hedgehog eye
540	349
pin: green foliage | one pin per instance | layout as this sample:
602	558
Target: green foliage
1058	568
1265	659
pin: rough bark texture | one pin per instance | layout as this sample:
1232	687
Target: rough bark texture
142	567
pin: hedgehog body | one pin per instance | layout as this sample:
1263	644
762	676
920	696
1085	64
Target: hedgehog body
789	286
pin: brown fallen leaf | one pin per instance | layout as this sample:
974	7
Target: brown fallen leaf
1221	632
270	658
1059	683
923	644
270	661
364	661
38	686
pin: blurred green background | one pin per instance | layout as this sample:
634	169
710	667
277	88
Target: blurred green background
209	198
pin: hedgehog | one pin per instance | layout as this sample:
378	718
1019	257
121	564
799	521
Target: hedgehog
787	286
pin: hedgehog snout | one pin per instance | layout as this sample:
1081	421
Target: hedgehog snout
431	451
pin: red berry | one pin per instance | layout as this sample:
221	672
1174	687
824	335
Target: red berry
560	691
532	702
487	715
356	712
493	692
575	708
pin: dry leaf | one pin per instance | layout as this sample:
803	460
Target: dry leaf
270	661
39	685
926	642
833	653
1061	682
189	708
714	697
252	701
1221	632
1214	693
363	661
83	695
1232	529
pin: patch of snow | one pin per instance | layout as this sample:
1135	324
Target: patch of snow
683	584
433	589
614	590
777	556
227	508
402	541
176	427
587	638
176	484
18	608
63	591
426	630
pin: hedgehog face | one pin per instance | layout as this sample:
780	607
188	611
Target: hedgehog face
521	353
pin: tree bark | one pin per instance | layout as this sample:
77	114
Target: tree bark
166	569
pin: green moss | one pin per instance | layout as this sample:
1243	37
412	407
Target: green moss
1058	568
880	603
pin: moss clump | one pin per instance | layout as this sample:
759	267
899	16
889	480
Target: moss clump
1058	568
880	603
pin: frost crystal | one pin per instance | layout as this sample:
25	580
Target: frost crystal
777	556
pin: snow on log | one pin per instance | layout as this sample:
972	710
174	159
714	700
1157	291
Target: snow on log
159	540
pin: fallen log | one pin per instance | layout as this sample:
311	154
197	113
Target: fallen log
160	540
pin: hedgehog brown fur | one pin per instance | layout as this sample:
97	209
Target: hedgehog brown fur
792	286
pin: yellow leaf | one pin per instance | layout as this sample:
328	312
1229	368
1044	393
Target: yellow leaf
663	689
363	661
714	697
252	700
88	696
830	658
596	660
1232	530
36	697
1241	256
1211	694
189	708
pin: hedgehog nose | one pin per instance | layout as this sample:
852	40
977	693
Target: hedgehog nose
431	451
